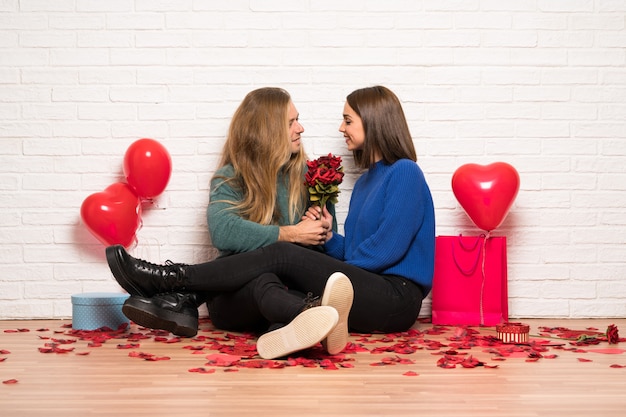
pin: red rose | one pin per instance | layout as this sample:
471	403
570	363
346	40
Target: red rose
612	334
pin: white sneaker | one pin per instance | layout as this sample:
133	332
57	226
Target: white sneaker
306	330
338	294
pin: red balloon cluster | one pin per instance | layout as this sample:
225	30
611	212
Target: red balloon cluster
114	215
486	192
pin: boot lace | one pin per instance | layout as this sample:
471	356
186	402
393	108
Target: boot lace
311	301
175	271
172	273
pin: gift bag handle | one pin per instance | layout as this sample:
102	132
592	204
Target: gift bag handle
481	249
469	248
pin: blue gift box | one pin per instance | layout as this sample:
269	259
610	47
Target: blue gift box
93	310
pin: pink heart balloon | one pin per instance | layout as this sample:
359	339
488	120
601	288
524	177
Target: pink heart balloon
486	192
113	215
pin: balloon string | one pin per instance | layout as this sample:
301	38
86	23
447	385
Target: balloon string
482	285
146	249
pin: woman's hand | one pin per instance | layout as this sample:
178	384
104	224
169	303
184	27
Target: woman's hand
313	213
314	229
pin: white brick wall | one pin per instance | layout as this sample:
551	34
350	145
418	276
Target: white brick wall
539	84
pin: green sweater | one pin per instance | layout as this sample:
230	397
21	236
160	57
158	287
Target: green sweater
230	233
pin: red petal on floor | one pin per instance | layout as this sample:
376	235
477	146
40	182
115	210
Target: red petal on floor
584	360
202	370
223	359
471	362
10	381
128	346
436	330
404	349
328	365
410	373
157	358
617	366
443	363
194	347
608	351
4	352
256	363
83	353
63	341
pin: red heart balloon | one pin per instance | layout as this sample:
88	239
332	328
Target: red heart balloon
147	167
113	215
486	192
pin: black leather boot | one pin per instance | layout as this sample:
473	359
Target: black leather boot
139	277
175	312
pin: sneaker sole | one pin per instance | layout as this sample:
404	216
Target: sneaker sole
338	294
152	317
305	331
118	272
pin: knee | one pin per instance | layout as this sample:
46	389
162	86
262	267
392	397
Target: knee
264	282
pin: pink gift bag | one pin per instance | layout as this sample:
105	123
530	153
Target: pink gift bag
470	281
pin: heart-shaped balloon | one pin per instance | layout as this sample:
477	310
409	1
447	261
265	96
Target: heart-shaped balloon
113	215
147	167
486	192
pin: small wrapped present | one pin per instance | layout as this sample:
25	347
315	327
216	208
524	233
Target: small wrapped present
513	332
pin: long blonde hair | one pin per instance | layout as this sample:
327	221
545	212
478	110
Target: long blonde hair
258	147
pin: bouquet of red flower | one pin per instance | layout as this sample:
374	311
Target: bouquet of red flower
323	179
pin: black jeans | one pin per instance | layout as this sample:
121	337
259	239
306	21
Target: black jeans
263	303
382	303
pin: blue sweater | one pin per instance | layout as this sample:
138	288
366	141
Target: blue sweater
390	227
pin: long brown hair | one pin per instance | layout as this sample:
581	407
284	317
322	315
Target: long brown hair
259	149
386	130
